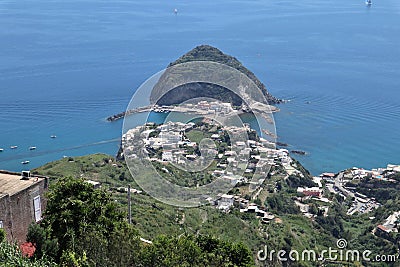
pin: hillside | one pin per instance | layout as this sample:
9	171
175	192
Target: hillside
289	230
153	218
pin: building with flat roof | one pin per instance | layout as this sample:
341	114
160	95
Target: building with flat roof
310	191
21	202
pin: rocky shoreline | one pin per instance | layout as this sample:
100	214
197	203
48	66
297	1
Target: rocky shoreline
299	152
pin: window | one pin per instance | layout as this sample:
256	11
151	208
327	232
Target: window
37	208
1	224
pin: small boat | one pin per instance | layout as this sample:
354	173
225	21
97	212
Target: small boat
53	136
13	147
25	162
368	2
32	148
1	149
175	11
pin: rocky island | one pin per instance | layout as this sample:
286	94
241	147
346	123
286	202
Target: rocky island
194	90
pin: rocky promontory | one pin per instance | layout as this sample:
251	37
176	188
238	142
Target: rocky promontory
199	89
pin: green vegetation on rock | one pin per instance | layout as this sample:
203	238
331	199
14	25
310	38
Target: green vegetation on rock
193	90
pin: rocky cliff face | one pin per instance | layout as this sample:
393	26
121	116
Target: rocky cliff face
193	90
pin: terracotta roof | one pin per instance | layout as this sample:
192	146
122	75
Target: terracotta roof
383	228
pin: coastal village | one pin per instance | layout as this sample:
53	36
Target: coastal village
168	143
255	166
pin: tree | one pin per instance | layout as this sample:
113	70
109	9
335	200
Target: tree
188	250
40	237
91	231
171	251
87	225
71	259
258	201
223	253
281	204
75	207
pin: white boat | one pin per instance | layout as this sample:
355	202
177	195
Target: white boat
176	11
25	162
13	147
1	150
368	2
32	148
53	136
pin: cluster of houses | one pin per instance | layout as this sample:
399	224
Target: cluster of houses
316	194
266	155
212	107
379	173
170	141
225	202
391	224
169	137
336	183
202	107
258	157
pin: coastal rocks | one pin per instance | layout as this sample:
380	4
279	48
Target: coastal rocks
299	152
281	144
116	116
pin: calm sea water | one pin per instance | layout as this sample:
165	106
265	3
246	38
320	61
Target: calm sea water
66	65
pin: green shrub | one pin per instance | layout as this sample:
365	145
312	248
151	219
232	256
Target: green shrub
2	235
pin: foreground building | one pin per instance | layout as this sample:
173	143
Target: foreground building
21	202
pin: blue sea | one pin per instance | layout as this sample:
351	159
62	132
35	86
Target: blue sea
67	65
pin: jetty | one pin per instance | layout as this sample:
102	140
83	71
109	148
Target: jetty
138	110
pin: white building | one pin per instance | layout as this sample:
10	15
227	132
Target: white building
167	156
170	137
225	202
